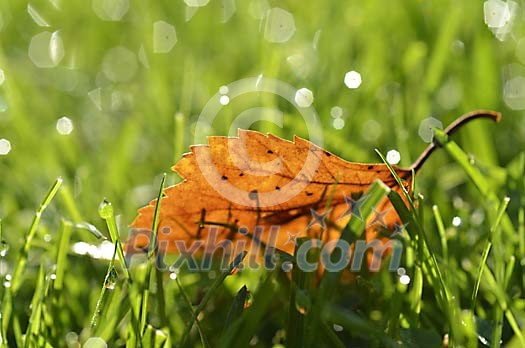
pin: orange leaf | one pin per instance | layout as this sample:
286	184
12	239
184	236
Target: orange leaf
261	187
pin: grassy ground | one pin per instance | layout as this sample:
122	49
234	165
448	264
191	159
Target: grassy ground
417	59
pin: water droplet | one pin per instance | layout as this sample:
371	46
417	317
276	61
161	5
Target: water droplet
7	284
304	97
456	221
164	37
353	79
4	248
2	77
336	112
64	126
496	13
111	280
514	93
5	146
401	271
425	128
37	18
110	10
224	90
105	210
337	328
46	49
47	237
280	25
53	276
119	64
196	3
338	123
393	157
404	279
173	275
143	57
258	8
224	100
95	342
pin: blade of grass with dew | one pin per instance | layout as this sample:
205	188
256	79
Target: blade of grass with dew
61	254
233	265
187	300
153	250
106	212
355	226
486	250
33	326
356	325
442	233
236	307
109	282
16	279
242	330
300	301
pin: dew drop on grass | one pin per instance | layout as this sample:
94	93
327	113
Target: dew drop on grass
2	77
46	49
110	10
95	342
338	123
196	3
425	128
105	210
456	221
401	271
173	275
304	97
280	25
119	64
164	37
404	279
353	79
53	276
64	126
5	146
393	157
4	248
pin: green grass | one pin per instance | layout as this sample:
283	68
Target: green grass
417	59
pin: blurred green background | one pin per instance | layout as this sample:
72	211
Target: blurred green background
133	100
